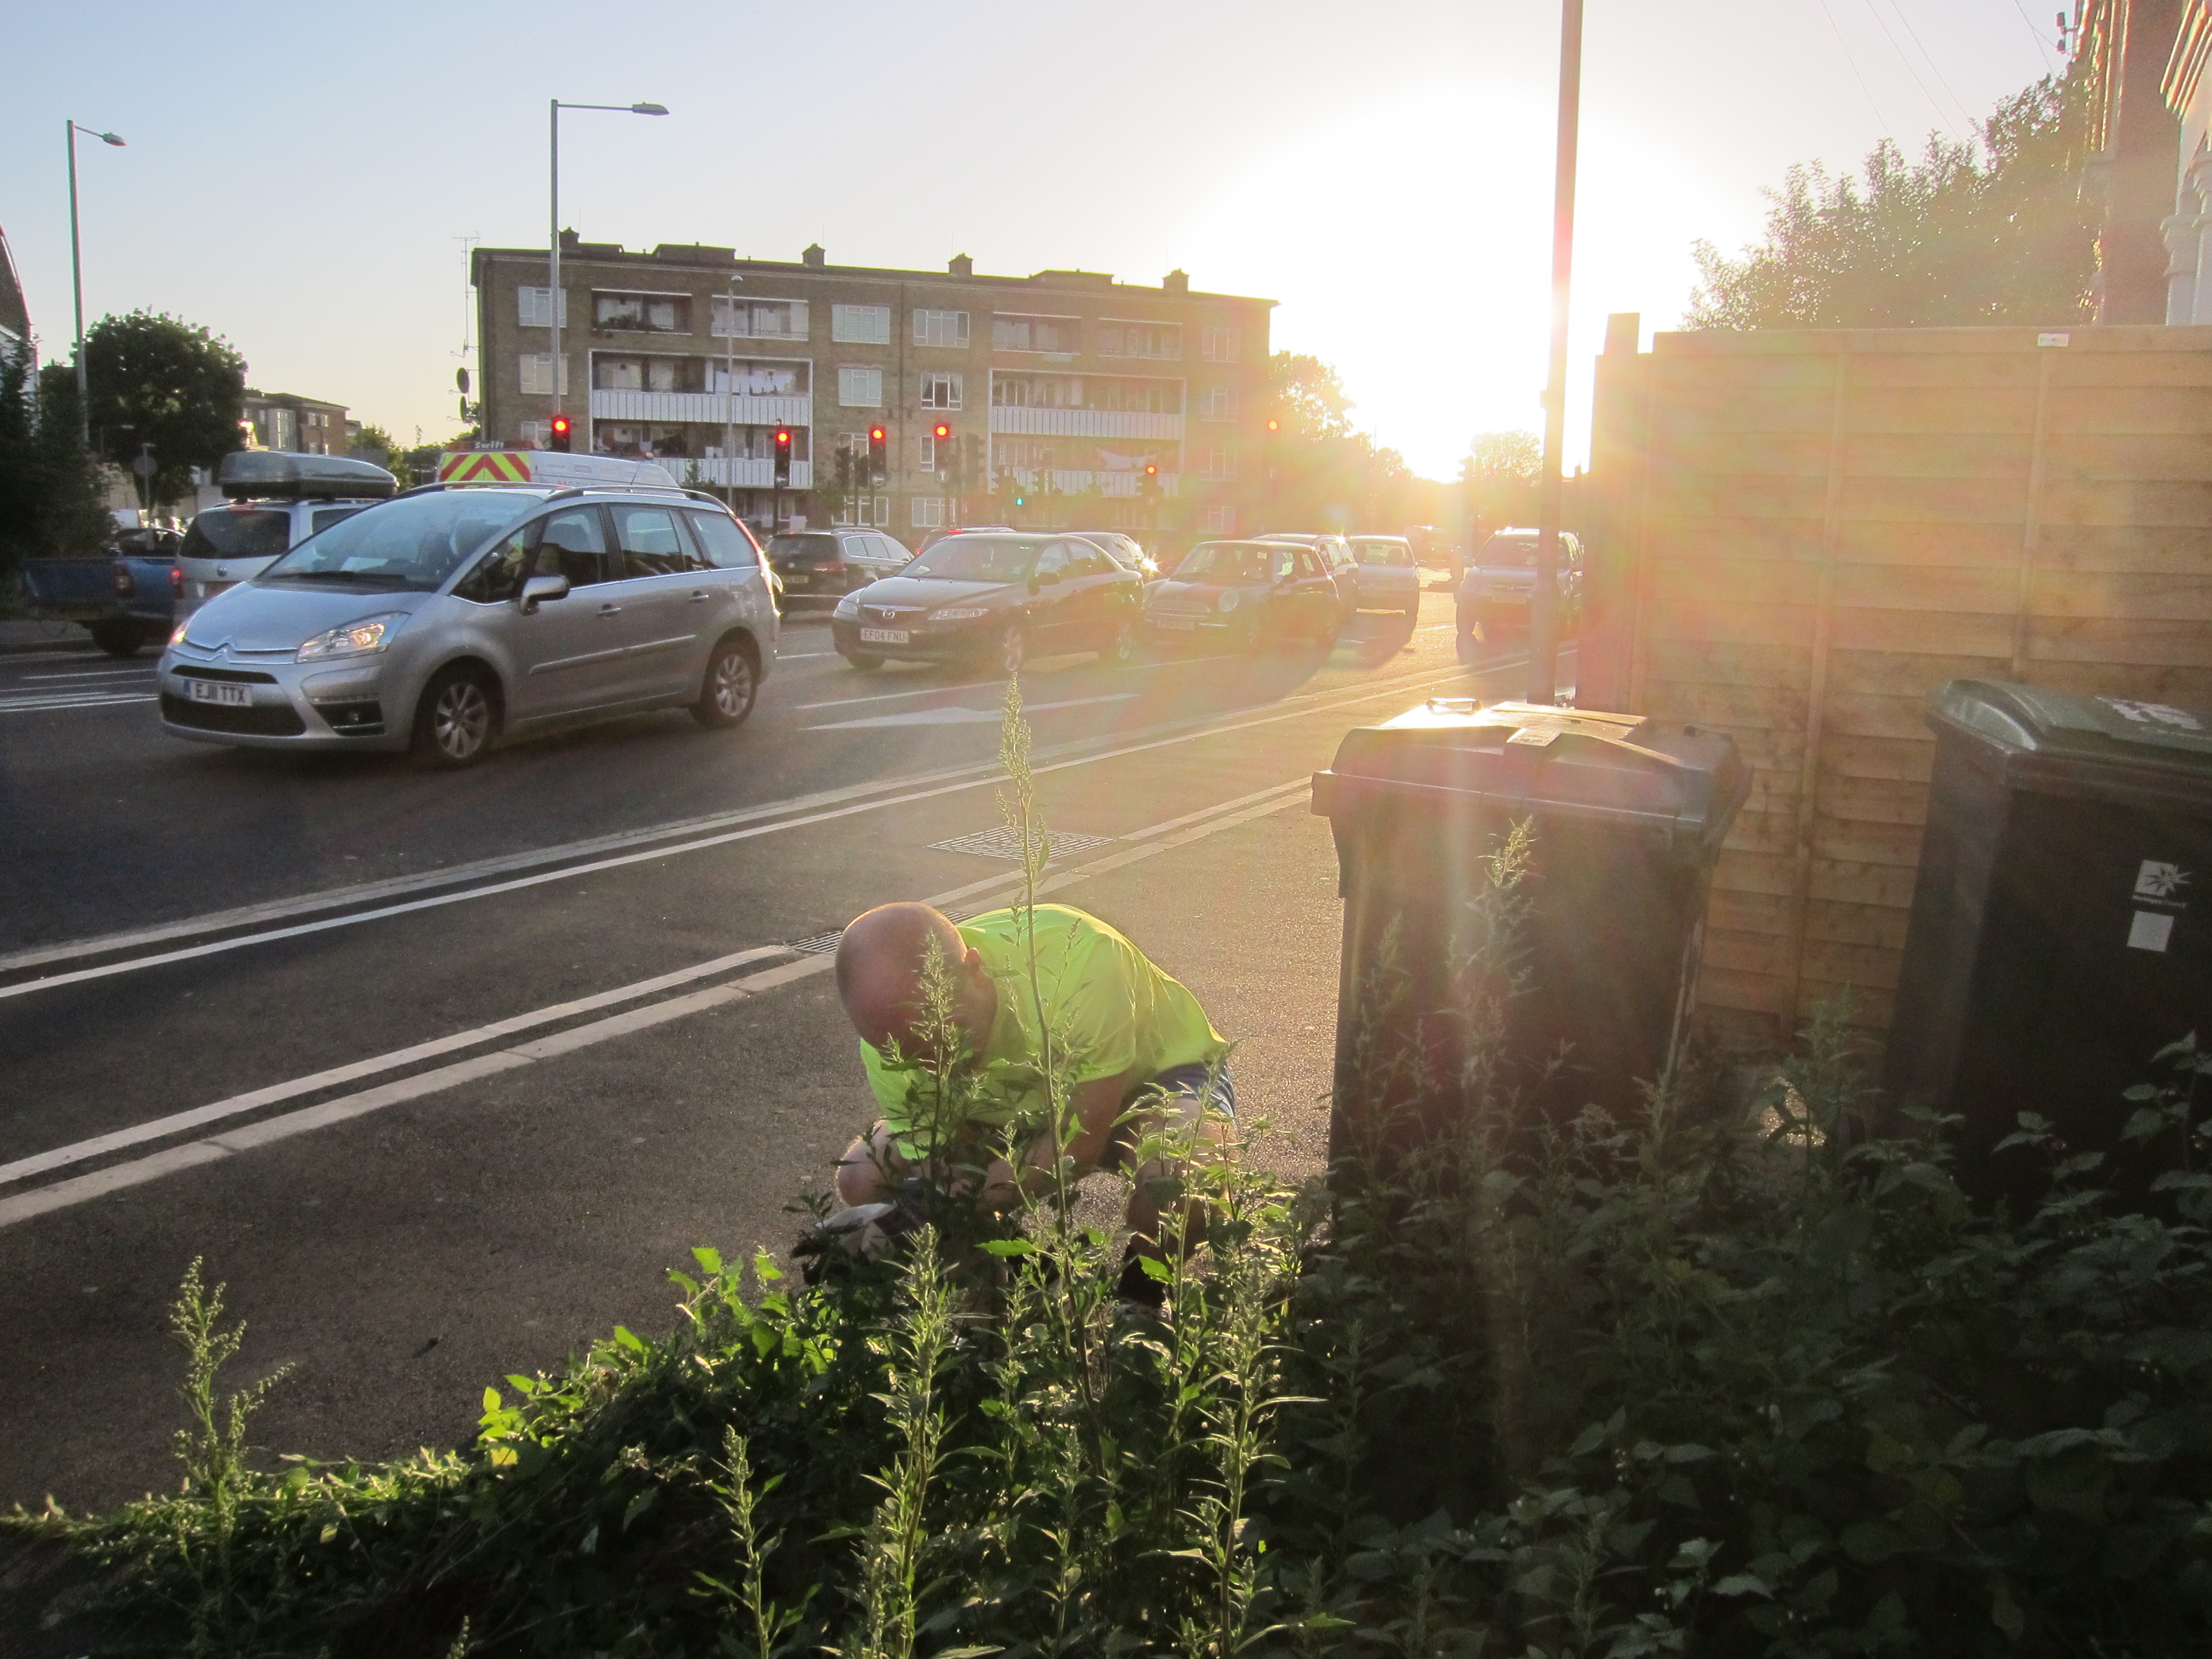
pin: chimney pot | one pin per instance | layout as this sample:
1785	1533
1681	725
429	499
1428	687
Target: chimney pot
814	255
1176	282
961	265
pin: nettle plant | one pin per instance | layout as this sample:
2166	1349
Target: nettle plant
1706	1381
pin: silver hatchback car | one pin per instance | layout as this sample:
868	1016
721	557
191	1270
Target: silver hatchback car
440	620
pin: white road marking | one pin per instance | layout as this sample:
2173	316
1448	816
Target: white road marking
886	696
945	781
143	669
801	656
50	701
79	1189
962	715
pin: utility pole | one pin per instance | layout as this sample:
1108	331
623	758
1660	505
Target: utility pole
1544	609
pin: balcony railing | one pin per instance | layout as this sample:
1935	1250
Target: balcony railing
1021	420
1106	483
702	408
742	474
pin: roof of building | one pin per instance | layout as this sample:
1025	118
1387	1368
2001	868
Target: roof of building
14	313
724	258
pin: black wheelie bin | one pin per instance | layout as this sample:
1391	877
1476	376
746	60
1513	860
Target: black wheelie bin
2056	942
1627	816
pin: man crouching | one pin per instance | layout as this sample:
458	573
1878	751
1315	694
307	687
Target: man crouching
1134	1051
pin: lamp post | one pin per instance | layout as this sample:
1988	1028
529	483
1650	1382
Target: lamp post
76	274
1544	603
554	238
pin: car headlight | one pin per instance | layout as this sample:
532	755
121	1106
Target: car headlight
964	613
1227	602
177	633
847	608
356	639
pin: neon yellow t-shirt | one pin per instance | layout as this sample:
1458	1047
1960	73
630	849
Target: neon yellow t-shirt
1109	1010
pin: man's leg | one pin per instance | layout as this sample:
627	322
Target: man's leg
870	1164
1189	1100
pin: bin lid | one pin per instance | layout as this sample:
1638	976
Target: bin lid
1686	781
2076	744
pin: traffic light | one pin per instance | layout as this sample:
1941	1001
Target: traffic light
783	458
557	434
942	452
880	459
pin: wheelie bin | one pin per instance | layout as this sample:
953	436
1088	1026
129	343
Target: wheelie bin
2055	944
1572	989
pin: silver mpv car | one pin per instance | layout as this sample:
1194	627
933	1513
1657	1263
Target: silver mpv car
440	620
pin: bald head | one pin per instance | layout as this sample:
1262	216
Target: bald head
880	962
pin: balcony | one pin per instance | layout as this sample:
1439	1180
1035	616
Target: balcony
742	474
1106	483
1021	420
701	408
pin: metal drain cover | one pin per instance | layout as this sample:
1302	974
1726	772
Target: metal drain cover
1004	843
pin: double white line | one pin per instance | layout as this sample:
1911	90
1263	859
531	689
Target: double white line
1145	843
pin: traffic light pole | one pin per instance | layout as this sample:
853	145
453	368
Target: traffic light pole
1544	608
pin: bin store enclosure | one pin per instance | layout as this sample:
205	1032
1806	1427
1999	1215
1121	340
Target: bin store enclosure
2058	938
1627	815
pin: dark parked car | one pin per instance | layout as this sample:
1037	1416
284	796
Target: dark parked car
1246	594
1125	549
995	597
828	564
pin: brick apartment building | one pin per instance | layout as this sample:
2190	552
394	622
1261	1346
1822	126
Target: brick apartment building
284	420
1067	384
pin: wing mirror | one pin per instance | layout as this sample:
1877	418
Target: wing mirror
537	589
1042	579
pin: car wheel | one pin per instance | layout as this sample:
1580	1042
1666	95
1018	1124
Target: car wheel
731	685
1014	648
863	661
456	719
1122	647
117	639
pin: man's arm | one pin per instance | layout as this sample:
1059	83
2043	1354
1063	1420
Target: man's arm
1098	1106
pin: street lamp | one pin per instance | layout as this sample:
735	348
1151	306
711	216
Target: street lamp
76	274
554	238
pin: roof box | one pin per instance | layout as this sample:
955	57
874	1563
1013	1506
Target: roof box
261	474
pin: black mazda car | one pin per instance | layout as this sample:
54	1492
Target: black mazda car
995	597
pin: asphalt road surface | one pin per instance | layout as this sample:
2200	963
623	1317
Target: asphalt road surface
441	1073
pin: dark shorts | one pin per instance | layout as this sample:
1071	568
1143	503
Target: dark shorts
1171	1087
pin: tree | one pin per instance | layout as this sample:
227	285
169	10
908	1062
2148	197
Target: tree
154	379
1309	397
50	495
1994	231
1499	477
1322	474
374	443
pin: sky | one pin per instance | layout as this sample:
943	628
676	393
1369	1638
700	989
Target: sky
303	180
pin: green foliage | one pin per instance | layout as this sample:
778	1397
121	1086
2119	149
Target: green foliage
49	497
1499	477
1323	474
1996	231
154	378
1705	1382
374	443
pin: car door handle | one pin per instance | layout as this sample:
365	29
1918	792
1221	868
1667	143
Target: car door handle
700	595
611	611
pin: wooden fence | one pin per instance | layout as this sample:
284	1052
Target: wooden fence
1797	536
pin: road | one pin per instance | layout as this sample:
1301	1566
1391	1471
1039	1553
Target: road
440	1072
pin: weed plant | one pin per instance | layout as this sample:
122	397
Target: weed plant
1706	1382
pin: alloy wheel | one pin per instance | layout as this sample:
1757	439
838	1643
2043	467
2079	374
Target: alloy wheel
1122	647
460	720
1013	649
732	686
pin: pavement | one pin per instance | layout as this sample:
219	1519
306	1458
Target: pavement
21	633
441	1073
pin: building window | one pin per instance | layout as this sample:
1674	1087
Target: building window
531	434
940	328
646	314
1012	333
1217	463
940	390
861	324
869	512
1217	520
1163	340
861	388
531	306
537	374
925	451
758	319
1216	402
1218	345
928	511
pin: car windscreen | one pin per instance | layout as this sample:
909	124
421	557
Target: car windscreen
793	547
976	559
1225	561
1507	550
408	545
226	532
1379	552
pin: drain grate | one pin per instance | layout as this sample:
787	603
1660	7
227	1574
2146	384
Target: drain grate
1004	843
820	946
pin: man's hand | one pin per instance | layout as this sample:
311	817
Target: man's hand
1097	1105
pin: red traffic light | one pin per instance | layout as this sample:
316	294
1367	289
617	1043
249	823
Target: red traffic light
1151	469
876	434
783	437
557	431
1274	426
940	432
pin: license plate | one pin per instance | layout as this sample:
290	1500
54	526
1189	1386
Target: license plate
883	636
236	696
1185	622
